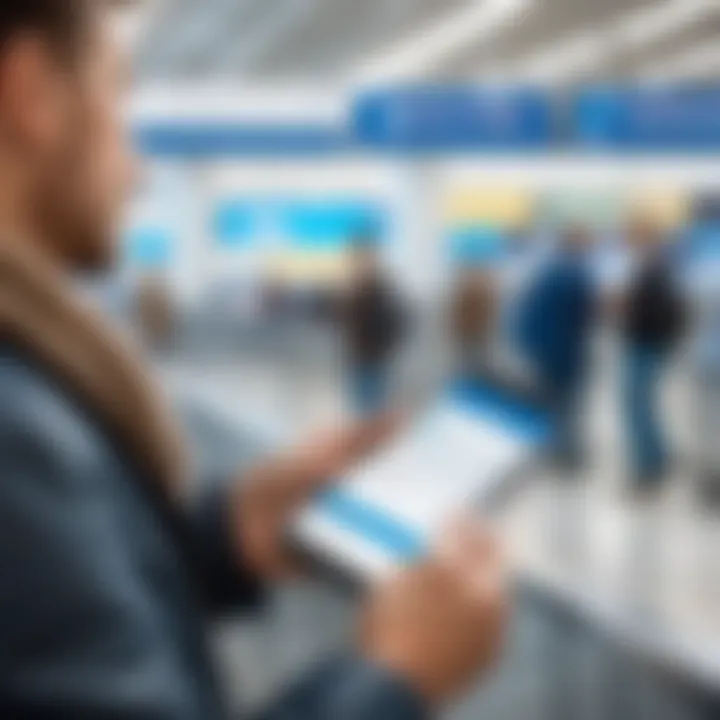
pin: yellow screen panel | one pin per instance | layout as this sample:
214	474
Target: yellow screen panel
501	207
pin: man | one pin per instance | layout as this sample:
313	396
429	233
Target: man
654	320
155	312
108	572
473	311
555	328
373	321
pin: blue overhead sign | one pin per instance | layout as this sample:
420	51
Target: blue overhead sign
466	118
447	118
654	117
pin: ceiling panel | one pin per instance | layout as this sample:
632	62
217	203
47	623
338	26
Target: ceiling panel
325	40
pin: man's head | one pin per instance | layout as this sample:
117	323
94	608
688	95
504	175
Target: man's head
64	162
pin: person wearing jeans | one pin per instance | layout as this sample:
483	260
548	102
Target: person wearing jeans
471	319
654	318
648	448
555	327
373	322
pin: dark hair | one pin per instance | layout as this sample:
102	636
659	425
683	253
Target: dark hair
61	22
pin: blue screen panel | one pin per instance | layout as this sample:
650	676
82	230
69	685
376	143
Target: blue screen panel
149	248
329	225
236	223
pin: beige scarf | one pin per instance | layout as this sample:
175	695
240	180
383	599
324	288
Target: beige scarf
41	314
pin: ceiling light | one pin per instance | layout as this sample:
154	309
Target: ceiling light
698	62
428	47
645	27
576	55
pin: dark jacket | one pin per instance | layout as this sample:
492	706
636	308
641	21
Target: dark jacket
556	320
655	313
374	322
106	592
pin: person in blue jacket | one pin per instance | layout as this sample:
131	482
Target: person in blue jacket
114	560
556	320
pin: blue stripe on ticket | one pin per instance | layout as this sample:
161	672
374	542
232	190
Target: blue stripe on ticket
533	425
373	524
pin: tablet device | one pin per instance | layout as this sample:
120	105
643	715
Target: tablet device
468	449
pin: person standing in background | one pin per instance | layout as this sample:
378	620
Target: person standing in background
373	324
555	326
472	317
155	313
653	321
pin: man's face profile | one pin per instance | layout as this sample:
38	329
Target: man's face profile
60	119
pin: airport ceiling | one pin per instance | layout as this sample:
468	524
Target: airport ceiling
340	41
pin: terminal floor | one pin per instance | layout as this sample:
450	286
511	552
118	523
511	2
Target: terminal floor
585	537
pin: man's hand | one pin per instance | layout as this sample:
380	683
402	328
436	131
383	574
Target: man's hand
439	624
266	501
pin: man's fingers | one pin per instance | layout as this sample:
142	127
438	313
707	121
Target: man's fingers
467	538
337	451
473	552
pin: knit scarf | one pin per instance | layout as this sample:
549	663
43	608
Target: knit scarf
43	315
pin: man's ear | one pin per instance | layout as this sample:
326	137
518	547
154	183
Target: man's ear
33	94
